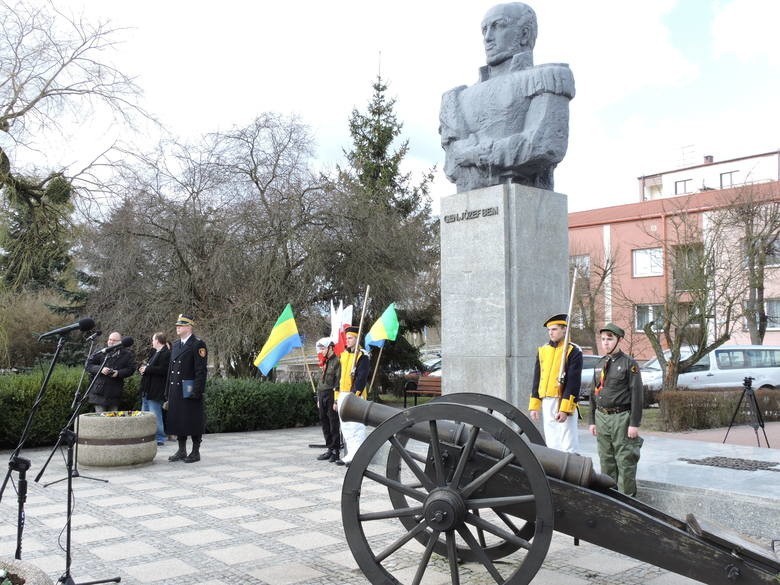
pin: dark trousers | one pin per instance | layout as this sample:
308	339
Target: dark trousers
329	418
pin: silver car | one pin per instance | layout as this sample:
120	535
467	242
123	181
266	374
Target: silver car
589	363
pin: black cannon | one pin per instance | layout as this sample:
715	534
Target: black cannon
474	494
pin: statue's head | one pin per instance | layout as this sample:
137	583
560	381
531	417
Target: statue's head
508	29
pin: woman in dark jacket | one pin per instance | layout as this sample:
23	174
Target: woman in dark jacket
153	373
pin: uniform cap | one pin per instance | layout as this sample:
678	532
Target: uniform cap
352	330
559	319
612	328
185	319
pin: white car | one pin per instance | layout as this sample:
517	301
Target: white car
725	367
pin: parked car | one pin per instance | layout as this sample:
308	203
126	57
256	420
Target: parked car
725	367
588	365
429	367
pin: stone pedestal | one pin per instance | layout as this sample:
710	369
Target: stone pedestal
504	270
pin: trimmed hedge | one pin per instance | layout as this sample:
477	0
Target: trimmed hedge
706	409
231	405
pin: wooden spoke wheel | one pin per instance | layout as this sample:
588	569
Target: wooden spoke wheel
456	500
523	426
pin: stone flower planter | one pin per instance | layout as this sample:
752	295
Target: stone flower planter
110	441
31	574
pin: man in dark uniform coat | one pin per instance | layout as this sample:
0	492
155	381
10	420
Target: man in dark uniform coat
185	388
110	376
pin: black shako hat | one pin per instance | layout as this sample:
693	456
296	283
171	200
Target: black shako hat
559	319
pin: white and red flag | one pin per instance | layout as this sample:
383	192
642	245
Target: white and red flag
340	319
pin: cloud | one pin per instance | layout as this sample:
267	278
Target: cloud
747	29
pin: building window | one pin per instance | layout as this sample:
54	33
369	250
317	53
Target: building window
582	263
648	262
682	187
770	250
644	314
772	313
688	272
727	179
773	253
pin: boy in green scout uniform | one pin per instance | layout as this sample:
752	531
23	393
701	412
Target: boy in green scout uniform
616	411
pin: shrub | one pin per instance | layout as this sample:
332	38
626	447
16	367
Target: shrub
231	405
704	409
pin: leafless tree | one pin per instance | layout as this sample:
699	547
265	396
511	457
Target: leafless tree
594	271
704	287
222	228
751	215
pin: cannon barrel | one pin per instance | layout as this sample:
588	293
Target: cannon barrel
568	467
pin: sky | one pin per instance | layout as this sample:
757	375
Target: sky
659	84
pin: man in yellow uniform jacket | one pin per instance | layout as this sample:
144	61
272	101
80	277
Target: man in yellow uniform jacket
554	401
353	379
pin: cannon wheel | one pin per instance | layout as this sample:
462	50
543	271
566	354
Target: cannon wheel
524	426
444	510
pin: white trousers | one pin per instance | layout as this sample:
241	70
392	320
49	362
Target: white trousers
354	434
559	435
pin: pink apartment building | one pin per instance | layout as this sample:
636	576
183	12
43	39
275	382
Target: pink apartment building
641	237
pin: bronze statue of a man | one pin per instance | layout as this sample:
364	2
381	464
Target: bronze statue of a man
513	125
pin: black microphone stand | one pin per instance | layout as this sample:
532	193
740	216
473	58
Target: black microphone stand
77	404
21	464
70	438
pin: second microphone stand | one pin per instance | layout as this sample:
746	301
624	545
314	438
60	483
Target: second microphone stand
78	401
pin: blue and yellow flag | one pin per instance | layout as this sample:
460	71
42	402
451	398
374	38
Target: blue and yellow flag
284	337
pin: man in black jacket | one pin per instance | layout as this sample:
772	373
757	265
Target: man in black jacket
110	376
326	402
185	388
153	373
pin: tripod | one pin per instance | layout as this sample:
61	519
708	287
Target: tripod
69	437
752	404
77	403
20	464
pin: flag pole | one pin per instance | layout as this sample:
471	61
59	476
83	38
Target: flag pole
360	330
308	371
376	367
566	343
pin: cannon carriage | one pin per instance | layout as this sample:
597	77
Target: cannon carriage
474	495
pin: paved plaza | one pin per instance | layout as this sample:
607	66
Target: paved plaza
259	509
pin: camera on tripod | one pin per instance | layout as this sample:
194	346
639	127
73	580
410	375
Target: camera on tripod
747	381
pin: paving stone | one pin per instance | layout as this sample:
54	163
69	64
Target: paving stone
241	553
156	571
287	574
272	518
198	537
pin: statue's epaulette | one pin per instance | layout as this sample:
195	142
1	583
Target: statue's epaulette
555	78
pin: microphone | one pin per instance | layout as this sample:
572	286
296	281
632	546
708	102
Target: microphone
84	324
126	342
94	335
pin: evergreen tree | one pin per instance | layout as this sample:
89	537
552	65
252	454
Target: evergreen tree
381	232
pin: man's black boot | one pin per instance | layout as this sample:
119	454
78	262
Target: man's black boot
181	454
194	454
325	455
334	456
